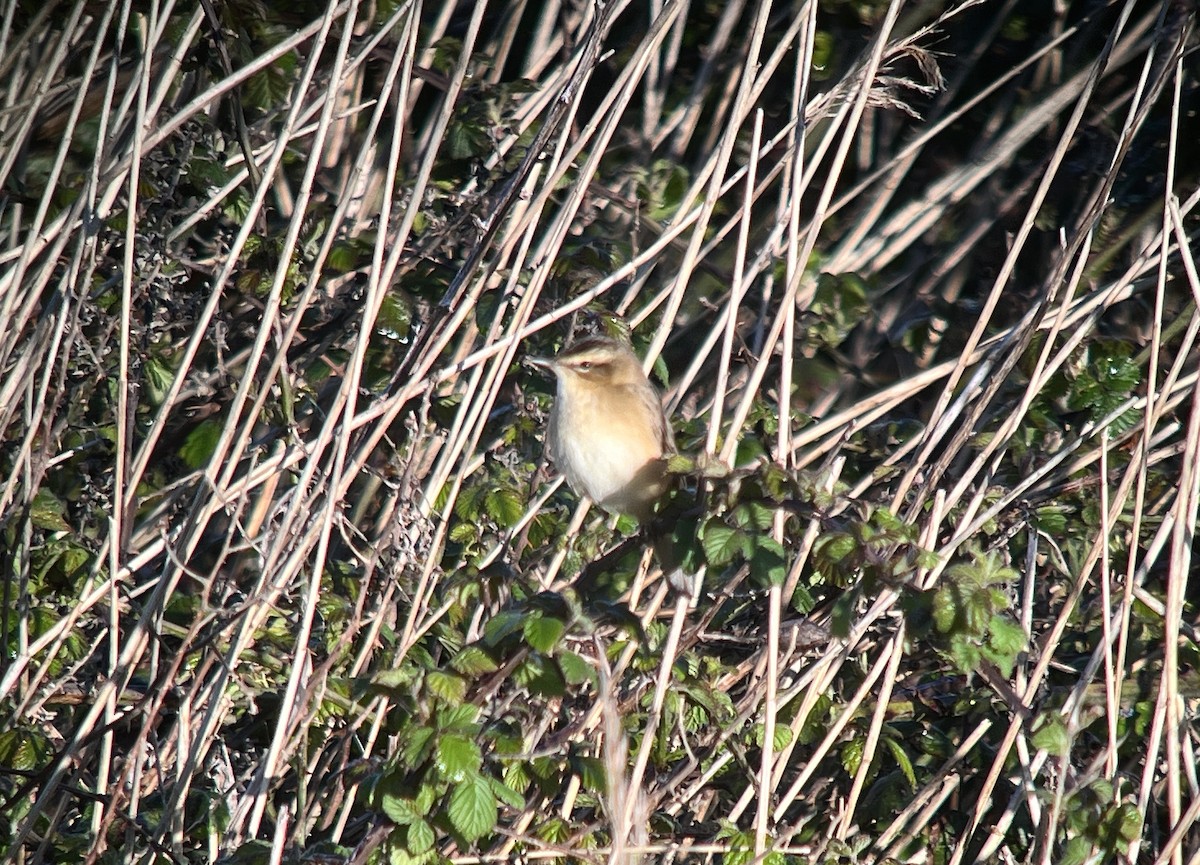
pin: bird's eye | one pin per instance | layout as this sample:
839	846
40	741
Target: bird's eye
585	365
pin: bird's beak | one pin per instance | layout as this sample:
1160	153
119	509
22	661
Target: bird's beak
545	363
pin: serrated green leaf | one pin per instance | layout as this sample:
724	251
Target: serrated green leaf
458	719
541	676
401	810
506	794
722	543
505	507
419	838
575	669
473	661
852	754
158	378
783	737
591	772
836	546
200	443
416	747
1076	852
449	687
1006	640
1052	736
473	811
458	757
542	633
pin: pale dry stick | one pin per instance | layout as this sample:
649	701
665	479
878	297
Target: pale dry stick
386	31
887	687
1111	695
860	250
740	110
235	434
652	79
1028	585
735	294
545	40
16	281
1045	657
192	347
525	227
38	393
1185	509
10	54
113	175
896	236
344	401
766	781
48	69
123	444
949	408
469	426
601	126
271	585
1173	848
893	172
683	120
401	66
881	664
1043	369
832	426
1037	476
523	216
1041	373
791	295
561	225
766	786
649	734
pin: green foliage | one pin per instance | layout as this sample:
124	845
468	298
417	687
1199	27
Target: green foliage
359	618
965	616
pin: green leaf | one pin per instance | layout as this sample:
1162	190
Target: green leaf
420	837
768	562
506	794
158	378
722	543
449	687
401	810
591	772
836	546
1077	851
416	747
458	757
473	811
1006	640
505	507
575	669
458	719
542	633
503	624
473	661
47	511
902	760
1052	737
200	444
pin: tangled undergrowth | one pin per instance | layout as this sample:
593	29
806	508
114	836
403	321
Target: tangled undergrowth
286	575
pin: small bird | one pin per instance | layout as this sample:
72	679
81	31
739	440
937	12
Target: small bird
609	437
